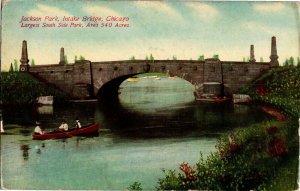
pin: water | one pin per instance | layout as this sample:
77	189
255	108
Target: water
156	125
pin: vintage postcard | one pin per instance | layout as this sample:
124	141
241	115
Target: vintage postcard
149	95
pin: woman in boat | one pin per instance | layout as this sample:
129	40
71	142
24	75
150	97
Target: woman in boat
37	129
64	126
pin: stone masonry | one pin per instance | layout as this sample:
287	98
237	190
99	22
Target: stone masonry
84	78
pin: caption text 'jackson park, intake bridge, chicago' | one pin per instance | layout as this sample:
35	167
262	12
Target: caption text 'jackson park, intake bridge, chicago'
85	79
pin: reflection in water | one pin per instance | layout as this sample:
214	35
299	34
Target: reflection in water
38	148
25	149
38	151
45	110
152	96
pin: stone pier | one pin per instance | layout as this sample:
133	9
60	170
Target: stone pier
252	57
274	57
24	67
62	56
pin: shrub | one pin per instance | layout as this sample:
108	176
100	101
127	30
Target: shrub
135	186
22	88
244	161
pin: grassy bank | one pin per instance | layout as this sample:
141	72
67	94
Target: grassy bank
279	87
21	88
261	157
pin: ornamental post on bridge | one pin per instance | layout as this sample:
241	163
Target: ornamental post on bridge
252	57
274	57
62	56
24	66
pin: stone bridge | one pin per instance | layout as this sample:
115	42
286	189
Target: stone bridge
86	79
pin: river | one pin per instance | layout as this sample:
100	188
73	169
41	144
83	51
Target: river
155	125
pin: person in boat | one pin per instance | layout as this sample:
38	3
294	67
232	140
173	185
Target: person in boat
64	126
37	129
43	131
77	124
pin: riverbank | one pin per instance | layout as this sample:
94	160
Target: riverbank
263	156
22	89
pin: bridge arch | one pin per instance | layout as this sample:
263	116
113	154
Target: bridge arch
111	89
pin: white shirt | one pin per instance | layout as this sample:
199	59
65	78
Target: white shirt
64	126
37	129
78	125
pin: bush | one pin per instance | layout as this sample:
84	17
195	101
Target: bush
135	186
22	88
245	160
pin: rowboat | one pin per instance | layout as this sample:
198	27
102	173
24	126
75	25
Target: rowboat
132	79
90	129
44	100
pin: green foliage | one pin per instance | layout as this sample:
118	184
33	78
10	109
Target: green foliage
282	86
32	62
246	162
261	59
174	58
132	58
216	56
151	57
146	58
11	69
201	58
21	88
81	58
16	66
75	58
291	61
170	181
66	59
135	186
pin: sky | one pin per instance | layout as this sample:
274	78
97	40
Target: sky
165	29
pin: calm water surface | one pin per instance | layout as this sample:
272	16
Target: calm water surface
156	124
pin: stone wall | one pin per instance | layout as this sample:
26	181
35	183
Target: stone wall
76	79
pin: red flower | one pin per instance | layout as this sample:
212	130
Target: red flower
188	171
261	90
277	147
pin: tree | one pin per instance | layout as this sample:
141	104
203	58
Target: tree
66	59
244	59
146	58
151	57
75	59
261	59
132	58
248	59
201	58
298	61
81	58
216	56
291	61
16	66
174	58
286	63
32	62
11	69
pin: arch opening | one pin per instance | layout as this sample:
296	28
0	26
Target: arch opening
149	92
